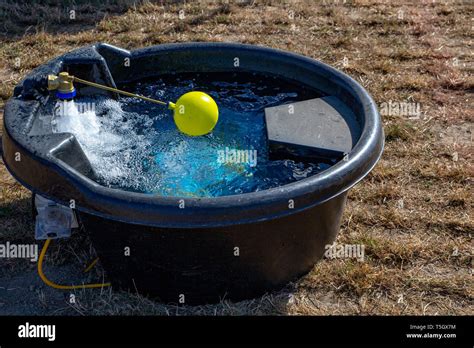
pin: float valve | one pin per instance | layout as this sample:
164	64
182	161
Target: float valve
62	84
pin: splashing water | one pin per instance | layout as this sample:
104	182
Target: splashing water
134	145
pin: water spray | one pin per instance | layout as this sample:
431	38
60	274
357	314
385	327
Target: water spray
195	113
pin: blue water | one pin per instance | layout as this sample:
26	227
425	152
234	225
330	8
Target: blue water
138	147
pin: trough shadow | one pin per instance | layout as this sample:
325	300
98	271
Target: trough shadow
23	18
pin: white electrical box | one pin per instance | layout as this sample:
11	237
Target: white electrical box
53	221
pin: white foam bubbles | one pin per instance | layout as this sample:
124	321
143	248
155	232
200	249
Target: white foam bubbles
109	138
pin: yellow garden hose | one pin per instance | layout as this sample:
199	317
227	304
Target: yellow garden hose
64	287
93	263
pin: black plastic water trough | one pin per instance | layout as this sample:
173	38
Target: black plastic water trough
191	251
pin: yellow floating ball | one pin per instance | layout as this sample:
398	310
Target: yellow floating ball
195	113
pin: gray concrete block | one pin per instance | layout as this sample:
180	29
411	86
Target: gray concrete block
315	129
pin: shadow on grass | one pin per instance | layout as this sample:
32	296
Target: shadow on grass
16	222
73	16
69	16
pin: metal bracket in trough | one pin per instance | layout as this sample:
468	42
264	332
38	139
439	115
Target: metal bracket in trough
315	129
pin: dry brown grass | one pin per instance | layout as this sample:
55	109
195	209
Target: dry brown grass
413	212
